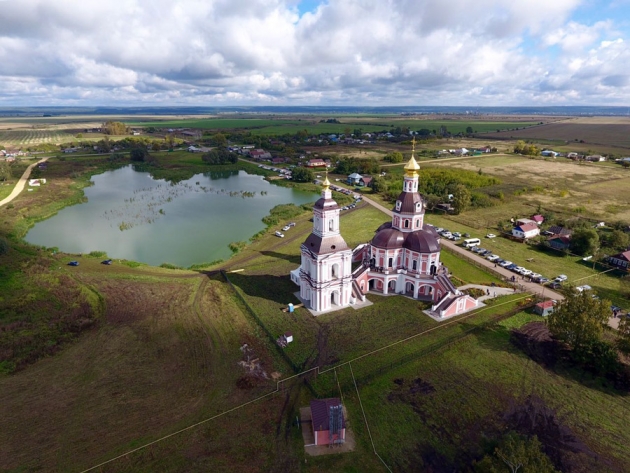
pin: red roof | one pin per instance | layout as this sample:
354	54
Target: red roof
320	409
625	255
545	304
538	218
526	227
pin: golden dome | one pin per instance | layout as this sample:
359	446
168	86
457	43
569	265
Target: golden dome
412	167
326	183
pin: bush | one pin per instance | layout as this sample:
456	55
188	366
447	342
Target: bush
301	174
4	246
170	266
98	254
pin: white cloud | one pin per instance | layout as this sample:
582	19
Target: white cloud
345	51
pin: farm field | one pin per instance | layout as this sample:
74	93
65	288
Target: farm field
561	185
269	126
26	138
594	131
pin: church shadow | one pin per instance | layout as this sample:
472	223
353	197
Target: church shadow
295	259
279	289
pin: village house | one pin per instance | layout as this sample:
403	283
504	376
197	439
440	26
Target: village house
365	181
316	163
558	230
620	260
259	154
354	179
525	221
559	242
329	423
525	231
549	153
544	308
539	219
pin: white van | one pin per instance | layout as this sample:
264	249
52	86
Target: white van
472	242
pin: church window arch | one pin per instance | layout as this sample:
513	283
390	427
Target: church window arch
331	224
406	223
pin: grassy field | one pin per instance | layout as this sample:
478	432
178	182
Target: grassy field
594	131
462	395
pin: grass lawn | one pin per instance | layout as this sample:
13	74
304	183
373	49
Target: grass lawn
467	388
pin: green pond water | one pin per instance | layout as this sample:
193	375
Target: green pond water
132	216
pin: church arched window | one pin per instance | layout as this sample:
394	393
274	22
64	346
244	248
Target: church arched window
406	223
330	225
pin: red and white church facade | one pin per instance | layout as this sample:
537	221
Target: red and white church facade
403	258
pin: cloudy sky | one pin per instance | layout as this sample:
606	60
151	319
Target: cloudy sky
308	52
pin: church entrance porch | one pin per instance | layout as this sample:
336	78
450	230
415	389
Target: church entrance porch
334	298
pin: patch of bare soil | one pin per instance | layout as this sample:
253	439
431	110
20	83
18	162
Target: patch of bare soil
567	452
409	391
535	340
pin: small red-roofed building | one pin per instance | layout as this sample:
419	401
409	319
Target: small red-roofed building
525	231
544	308
329	424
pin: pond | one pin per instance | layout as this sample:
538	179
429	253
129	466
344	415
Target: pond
130	215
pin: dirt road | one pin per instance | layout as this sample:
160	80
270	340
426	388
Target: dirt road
21	183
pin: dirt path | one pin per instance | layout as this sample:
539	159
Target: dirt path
527	286
21	183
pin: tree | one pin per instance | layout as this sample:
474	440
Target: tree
579	319
394	157
219	139
302	174
519	454
431	201
5	171
584	241
469	130
618	240
379	184
139	154
220	156
115	128
461	198
623	335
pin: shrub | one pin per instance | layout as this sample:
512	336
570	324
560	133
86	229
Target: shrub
4	246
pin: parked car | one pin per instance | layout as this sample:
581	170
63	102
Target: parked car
292	224
73	263
505	264
491	235
492	258
479	250
555	285
107	262
278	234
285	228
562	277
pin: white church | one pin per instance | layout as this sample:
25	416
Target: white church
402	258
